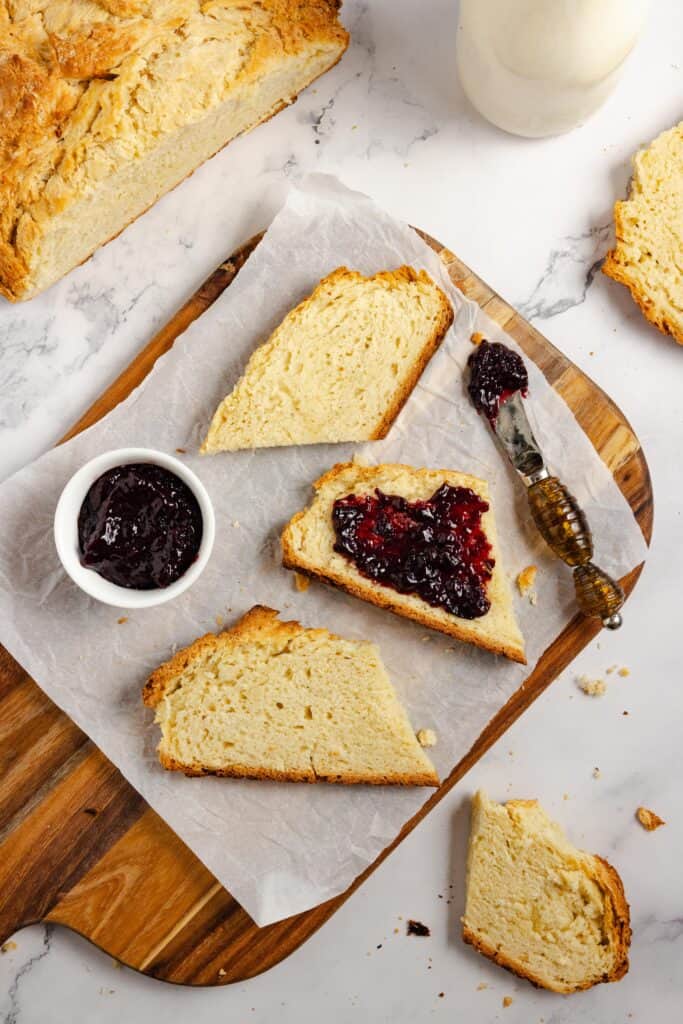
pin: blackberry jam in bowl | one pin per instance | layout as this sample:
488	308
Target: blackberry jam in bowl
134	528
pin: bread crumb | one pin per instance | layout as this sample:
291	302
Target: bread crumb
395	931
222	972
592	687
648	819
481	986
301	582
8	946
507	1001
477	338
426	737
219	620
611	669
565	796
124	618
533	598
596	773
623	672
441	995
236	524
417	928
116	964
181	451
526	579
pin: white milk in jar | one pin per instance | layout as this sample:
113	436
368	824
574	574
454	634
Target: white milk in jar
541	67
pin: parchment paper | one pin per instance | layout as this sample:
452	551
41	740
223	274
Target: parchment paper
281	848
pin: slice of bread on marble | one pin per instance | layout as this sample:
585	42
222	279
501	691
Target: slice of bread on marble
339	367
273	700
538	906
308	546
648	256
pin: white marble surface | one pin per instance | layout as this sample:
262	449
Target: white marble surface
533	218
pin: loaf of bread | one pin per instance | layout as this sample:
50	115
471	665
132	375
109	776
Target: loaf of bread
538	906
272	700
308	546
340	365
648	256
105	105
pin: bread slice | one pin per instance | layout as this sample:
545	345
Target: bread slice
272	700
308	546
107	105
538	906
340	365
648	256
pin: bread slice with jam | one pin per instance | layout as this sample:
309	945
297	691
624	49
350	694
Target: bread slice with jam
457	587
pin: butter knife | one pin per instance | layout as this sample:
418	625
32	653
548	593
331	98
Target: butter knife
556	513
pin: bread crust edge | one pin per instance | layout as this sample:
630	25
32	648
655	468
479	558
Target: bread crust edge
291	560
613	887
15	285
614	267
428	351
259	619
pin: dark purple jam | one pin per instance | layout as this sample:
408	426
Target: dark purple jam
139	526
435	549
496	372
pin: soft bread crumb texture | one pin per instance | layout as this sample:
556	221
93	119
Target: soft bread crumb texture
273	700
105	105
426	737
339	367
538	906
592	687
648	256
308	546
648	819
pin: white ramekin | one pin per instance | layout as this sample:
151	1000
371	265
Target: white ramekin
66	529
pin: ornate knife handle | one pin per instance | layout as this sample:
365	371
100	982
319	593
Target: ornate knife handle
564	527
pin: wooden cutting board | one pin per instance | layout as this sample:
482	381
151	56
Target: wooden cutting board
80	847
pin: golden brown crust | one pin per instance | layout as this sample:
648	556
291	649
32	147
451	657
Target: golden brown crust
292	560
391	279
616	267
12	269
458	632
629	227
237	771
395	278
258	621
648	819
619	925
65	89
440	331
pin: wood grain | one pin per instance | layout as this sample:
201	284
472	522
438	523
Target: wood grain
79	846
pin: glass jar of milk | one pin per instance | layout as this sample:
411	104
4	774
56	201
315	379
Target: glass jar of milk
541	67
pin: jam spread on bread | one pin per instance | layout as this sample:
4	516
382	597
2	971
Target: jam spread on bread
435	549
140	526
496	372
